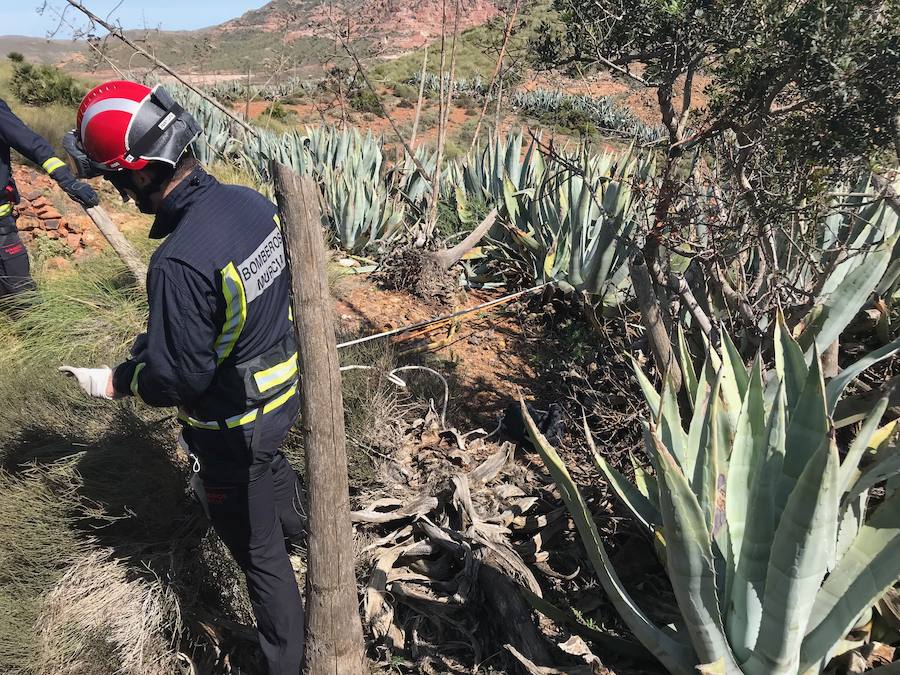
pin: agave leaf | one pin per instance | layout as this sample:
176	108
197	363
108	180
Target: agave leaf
701	458
886	465
690	562
845	301
807	424
860	444
644	482
647	388
747	455
734	381
669	423
641	508
853	513
837	384
748	588
790	365
687	365
677	656
802	547
866	570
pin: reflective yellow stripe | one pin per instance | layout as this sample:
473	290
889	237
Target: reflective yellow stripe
278	374
53	164
277	220
280	401
5	209
235	312
243	418
290	312
190	421
134	379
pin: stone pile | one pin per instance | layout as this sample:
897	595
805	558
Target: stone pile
38	216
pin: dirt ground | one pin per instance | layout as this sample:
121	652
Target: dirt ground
484	355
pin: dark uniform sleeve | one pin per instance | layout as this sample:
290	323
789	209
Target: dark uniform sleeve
174	361
14	133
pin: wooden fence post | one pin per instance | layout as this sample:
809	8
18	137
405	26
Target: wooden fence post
334	642
119	244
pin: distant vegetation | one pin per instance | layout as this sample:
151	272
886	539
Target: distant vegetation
50	120
43	85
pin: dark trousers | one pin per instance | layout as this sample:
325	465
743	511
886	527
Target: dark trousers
15	272
253	517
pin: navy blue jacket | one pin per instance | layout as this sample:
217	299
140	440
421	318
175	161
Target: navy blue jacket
15	134
219	342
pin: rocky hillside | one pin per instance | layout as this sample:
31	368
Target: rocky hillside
399	24
303	29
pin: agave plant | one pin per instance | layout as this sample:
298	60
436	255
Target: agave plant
772	549
603	111
566	219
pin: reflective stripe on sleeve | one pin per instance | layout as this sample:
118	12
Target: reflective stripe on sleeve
277	374
53	164
5	210
197	424
235	312
134	379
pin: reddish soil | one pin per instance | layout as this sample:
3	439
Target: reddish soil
482	358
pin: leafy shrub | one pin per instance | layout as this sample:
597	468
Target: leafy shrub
366	102
406	92
278	112
42	85
15	57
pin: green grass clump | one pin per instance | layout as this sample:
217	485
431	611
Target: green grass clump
85	317
37	541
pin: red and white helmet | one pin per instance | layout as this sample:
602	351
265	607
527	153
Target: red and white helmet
125	125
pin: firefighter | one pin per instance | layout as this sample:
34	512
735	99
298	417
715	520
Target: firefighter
219	343
15	273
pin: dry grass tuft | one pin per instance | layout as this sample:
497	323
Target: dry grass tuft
98	620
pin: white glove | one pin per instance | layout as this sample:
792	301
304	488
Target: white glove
94	381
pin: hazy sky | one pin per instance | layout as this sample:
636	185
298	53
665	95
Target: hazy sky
20	17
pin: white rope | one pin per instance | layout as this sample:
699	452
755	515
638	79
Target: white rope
423	324
392	377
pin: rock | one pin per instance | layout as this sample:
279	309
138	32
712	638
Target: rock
76	227
52	234
27	223
48	213
92	239
31	195
74	241
26	237
58	263
39	203
51	224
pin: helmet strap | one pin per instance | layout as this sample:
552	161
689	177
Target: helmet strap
161	174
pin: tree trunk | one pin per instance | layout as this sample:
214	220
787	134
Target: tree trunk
120	244
334	639
660	344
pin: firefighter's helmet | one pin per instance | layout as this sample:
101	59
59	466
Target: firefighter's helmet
126	125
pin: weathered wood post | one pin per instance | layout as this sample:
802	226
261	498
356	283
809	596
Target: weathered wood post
334	642
119	244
